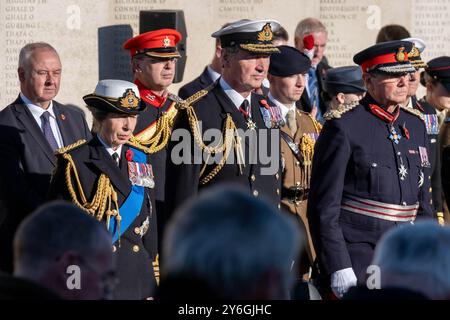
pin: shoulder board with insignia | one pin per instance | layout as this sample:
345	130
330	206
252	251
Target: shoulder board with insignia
415	112
336	113
135	143
197	96
175	98
70	147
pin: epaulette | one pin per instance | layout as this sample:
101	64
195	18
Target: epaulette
135	143
336	113
196	96
415	112
70	147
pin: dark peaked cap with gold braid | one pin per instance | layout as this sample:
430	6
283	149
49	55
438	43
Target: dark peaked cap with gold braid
387	57
254	36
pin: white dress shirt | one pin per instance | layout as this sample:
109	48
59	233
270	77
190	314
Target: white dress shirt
109	149
213	74
37	112
234	95
284	109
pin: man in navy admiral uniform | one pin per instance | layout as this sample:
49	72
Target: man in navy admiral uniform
370	169
230	104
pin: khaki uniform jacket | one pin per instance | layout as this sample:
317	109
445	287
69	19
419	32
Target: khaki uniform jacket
297	174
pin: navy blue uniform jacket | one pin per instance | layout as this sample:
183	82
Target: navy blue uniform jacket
353	156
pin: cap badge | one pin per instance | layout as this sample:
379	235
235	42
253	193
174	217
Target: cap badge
414	52
129	100
166	42
401	54
266	33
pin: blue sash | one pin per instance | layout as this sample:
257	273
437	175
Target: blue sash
132	205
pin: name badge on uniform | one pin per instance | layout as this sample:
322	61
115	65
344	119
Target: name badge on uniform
424	157
141	174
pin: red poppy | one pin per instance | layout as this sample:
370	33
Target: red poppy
264	103
129	155
308	42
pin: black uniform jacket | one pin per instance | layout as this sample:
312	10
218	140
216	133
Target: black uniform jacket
135	255
182	179
354	157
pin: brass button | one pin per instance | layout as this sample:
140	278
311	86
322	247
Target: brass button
374	165
135	248
297	163
255	193
431	189
279	206
278	191
114	248
297	183
277	176
137	230
253	178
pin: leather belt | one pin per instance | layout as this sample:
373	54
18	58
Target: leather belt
380	210
295	194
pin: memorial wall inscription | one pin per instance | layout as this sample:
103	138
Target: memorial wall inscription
84	30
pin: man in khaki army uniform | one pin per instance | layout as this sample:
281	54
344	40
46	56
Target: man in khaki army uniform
287	81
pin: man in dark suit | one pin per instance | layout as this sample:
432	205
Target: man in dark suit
31	129
229	105
312	100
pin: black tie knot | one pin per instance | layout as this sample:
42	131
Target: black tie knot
245	108
115	156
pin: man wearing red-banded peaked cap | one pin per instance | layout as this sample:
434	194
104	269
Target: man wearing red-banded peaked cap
153	58
370	171
386	57
158	44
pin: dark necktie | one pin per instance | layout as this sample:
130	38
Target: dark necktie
245	109
115	156
47	130
312	86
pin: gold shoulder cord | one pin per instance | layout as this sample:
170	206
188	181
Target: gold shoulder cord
336	113
228	133
415	112
306	146
161	135
105	198
70	146
440	218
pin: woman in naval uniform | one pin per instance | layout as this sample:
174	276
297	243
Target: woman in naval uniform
112	180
